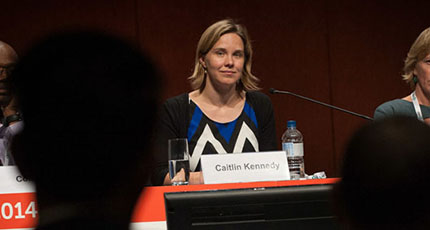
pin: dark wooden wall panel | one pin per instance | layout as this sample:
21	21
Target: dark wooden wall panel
346	53
26	21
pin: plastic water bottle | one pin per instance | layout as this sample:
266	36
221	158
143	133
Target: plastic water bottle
292	143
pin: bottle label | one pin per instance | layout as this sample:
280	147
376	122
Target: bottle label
293	149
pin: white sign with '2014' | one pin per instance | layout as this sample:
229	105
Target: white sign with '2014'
18	209
245	167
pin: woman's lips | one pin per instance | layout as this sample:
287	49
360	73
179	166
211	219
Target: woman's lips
228	72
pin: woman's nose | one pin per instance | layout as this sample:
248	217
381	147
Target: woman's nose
229	61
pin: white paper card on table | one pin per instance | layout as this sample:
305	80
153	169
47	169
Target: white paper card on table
12	181
245	167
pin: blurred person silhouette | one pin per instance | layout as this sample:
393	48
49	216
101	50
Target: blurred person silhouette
385	172
11	119
88	102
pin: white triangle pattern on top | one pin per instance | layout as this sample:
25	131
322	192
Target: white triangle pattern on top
207	136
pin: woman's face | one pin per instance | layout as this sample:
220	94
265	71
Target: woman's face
422	71
225	60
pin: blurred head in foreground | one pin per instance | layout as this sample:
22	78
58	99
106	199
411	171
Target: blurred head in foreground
88	101
385	176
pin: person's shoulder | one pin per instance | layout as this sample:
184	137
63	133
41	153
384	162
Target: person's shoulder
257	96
15	127
177	100
393	107
260	102
393	104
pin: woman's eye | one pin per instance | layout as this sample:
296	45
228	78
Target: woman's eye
219	53
238	54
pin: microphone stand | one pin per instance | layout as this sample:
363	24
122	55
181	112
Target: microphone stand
274	91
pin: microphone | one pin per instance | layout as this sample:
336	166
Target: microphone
274	91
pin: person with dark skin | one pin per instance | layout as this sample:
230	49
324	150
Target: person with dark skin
88	102
10	116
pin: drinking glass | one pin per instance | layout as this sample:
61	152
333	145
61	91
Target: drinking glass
179	161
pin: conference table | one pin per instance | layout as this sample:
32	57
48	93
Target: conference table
18	209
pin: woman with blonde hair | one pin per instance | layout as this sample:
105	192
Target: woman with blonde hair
224	113
417	75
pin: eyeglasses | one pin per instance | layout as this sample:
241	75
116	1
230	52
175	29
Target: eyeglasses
6	69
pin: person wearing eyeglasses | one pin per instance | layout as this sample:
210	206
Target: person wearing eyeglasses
11	120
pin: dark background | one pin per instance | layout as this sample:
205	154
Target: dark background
346	53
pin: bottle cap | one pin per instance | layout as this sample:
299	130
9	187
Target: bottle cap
291	124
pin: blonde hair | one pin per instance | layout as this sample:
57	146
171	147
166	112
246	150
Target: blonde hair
418	51
210	36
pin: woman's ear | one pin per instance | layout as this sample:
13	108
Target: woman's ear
202	62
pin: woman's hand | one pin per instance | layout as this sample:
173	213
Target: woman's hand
195	178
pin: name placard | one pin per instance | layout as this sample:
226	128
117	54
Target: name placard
245	167
18	209
11	181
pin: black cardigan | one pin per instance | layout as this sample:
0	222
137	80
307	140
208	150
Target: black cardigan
174	122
